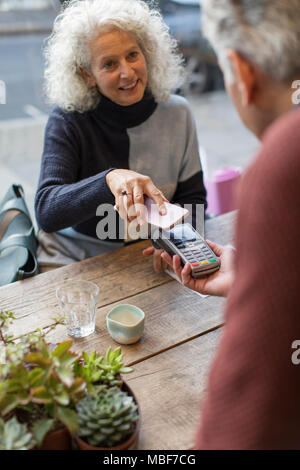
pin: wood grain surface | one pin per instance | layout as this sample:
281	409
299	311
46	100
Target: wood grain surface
170	389
121	274
173	314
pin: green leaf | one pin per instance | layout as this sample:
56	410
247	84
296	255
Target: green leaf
69	418
62	348
36	377
41	396
65	375
40	429
23	397
86	356
108	353
37	358
125	370
13	386
68	358
115	354
62	398
96	376
7	404
78	386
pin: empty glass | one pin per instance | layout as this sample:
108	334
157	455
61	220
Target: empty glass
78	301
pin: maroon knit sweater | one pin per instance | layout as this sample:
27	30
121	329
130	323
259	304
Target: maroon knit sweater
253	395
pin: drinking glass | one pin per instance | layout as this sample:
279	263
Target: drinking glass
78	301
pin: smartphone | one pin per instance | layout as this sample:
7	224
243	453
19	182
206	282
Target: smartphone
173	216
183	240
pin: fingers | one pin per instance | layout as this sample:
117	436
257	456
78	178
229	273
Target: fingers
138	201
120	207
167	258
149	251
157	196
158	261
159	264
124	205
186	274
131	204
217	249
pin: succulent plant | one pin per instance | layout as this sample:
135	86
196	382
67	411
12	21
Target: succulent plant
15	436
95	368
106	418
36	373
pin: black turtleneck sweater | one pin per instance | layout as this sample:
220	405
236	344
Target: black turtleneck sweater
158	140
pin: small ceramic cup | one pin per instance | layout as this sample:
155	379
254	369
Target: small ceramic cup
125	323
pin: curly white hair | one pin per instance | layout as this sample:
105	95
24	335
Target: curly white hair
67	49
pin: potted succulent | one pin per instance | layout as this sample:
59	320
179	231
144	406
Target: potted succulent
96	369
108	414
46	388
15	436
108	419
39	387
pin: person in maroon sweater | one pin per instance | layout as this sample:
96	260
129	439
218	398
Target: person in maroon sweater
253	392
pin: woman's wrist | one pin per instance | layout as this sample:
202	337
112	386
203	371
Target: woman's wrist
108	176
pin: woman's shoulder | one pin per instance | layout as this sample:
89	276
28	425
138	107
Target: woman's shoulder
67	121
61	114
177	105
176	102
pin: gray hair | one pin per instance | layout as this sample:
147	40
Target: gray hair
266	32
81	21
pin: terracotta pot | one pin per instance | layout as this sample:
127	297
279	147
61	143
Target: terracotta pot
57	440
130	444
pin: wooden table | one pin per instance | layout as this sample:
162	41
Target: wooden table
182	329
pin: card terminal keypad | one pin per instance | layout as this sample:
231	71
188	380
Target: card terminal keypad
196	252
186	242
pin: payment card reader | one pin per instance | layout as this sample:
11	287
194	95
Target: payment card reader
183	240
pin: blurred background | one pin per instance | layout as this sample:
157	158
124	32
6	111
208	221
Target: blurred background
24	26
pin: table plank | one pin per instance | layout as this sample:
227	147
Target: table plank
221	229
119	274
170	389
173	314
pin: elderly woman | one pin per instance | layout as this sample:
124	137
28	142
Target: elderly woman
254	386
117	131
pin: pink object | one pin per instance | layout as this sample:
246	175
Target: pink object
221	190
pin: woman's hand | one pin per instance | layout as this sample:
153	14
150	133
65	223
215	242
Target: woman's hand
131	205
158	263
218	283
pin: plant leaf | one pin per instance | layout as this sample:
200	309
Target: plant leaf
7	404
41	396
85	356
78	386
68	358
125	370
108	353
36	377
62	348
68	417
65	375
115	354
62	398
41	428
37	358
